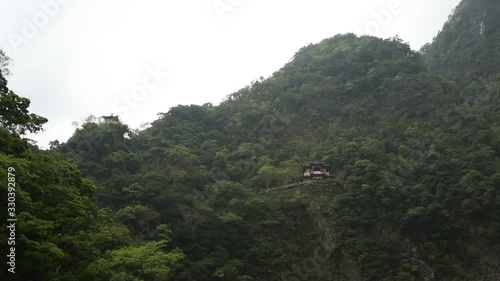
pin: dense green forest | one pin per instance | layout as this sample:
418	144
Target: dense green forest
413	139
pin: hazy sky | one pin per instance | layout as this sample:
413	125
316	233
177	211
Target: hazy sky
132	58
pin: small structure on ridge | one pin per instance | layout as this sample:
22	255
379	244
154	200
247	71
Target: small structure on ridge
316	171
111	119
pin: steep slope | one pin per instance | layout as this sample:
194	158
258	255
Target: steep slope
416	193
467	52
467	49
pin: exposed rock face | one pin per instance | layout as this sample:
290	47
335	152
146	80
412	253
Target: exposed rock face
344	264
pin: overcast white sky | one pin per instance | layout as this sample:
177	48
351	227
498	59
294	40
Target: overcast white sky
73	58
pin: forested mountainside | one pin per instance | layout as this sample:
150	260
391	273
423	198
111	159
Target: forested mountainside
466	50
414	149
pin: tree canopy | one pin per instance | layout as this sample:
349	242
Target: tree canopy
413	140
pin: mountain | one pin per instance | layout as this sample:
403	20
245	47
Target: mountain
413	140
415	191
466	50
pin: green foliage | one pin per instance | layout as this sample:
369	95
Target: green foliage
465	50
14	115
414	195
147	262
414	152
60	232
268	175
